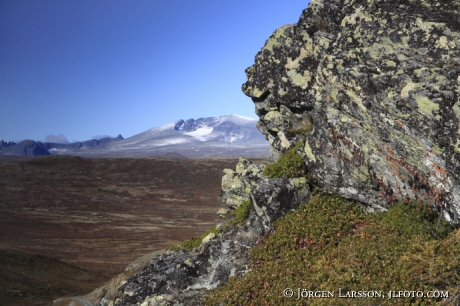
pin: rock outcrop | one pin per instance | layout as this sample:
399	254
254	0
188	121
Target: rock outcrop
237	185
372	87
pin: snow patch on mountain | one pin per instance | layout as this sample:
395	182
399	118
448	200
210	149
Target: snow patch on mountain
200	133
170	141
228	129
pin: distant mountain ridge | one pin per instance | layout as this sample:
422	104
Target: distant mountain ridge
58	148
35	148
6	143
230	136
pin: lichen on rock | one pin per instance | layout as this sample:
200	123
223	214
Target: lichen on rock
237	185
379	82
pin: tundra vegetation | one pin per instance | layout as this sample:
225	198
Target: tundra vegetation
329	243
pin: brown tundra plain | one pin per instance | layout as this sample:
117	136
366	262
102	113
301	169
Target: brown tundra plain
68	224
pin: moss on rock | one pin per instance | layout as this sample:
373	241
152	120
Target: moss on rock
289	165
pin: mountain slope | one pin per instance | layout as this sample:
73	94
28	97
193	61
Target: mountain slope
230	136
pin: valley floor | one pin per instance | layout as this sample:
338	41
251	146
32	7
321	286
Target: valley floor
98	215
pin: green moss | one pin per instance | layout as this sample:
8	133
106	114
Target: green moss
289	165
329	243
241	212
194	242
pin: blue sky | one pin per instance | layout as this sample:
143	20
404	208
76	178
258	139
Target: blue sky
81	69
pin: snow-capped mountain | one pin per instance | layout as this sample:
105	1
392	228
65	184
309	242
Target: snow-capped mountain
231	135
233	128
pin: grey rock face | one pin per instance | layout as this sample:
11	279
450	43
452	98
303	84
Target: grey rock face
191	125
237	185
274	197
373	88
231	128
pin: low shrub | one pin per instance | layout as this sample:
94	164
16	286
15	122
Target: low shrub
330	244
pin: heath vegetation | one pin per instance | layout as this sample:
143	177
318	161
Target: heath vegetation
329	243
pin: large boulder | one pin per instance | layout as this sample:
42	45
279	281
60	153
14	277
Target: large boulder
372	87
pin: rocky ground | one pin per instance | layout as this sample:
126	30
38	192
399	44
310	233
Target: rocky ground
99	214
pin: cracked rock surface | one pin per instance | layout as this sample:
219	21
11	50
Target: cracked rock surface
372	86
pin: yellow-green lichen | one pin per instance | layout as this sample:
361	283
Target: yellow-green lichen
273	40
298	79
391	94
379	50
401	57
425	105
294	64
365	149
457	147
357	99
309	152
407	88
437	150
284	141
254	91
359	174
275	117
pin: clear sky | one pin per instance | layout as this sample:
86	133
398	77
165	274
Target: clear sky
83	69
